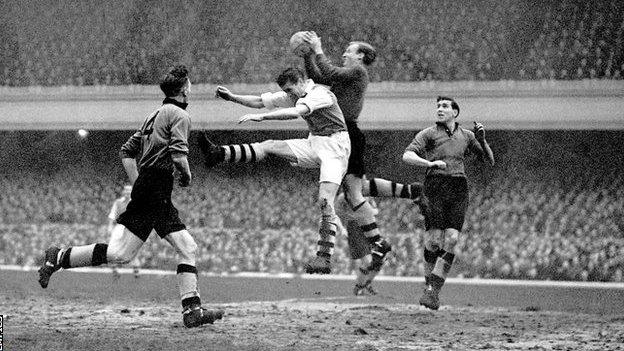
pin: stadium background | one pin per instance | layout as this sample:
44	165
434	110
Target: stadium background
545	79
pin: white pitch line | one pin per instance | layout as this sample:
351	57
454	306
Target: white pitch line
345	277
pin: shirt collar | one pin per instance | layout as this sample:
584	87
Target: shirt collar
448	131
181	105
309	85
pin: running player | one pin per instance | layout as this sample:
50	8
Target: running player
162	146
327	146
442	149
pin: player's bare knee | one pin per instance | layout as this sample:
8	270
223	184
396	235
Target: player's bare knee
432	245
119	255
451	239
185	246
432	240
352	186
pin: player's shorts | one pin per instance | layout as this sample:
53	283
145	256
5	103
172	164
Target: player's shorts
448	202
358	147
329	153
150	206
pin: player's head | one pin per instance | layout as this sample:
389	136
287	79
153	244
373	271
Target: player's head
447	109
176	82
358	52
127	190
292	82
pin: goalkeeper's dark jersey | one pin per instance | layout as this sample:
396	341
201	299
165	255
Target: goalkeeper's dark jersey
348	84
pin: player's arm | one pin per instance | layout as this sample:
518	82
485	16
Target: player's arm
180	161
411	158
417	147
280	114
312	69
253	101
128	152
317	98
481	146
323	69
178	147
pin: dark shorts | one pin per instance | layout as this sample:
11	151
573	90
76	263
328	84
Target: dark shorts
358	147
150	206
447	202
358	243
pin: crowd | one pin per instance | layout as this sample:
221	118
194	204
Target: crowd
123	42
553	209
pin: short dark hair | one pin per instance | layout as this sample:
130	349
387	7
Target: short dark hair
174	80
454	104
368	50
290	75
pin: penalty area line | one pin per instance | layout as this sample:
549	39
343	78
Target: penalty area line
344	277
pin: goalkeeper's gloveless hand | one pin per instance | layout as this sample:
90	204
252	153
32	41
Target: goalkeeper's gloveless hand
479	131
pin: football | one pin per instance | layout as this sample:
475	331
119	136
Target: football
297	45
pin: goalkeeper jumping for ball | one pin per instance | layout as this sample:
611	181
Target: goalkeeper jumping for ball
349	83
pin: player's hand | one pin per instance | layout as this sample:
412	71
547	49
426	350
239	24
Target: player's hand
314	40
223	93
479	131
185	180
438	164
250	117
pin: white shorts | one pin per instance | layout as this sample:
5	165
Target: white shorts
329	153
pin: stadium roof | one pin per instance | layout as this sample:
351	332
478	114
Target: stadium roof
499	105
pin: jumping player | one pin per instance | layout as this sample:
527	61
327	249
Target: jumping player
349	83
442	149
162	146
327	146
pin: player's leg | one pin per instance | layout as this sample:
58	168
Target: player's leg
433	240
359	248
327	230
455	211
122	247
360	252
364	212
244	153
193	314
365	216
433	244
332	154
444	259
378	187
169	227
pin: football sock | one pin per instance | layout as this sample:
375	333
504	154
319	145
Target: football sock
365	215
187	284
376	187
243	153
430	260
82	256
327	233
441	269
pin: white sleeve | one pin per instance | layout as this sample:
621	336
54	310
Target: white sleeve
316	99
275	100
